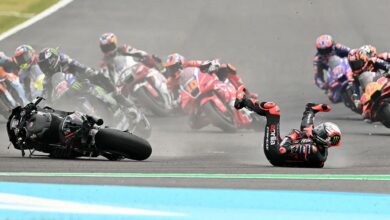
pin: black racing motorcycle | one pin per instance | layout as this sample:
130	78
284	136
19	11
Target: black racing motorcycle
70	135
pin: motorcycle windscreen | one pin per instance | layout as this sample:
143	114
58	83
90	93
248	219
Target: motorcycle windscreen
189	82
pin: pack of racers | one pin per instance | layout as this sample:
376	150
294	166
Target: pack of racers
300	148
362	59
175	64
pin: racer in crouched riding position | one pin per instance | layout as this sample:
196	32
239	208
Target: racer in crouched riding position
307	147
326	47
227	73
52	61
361	60
30	75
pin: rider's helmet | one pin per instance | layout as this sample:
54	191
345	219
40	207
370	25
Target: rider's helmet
49	61
325	44
369	50
359	58
24	56
108	43
210	66
173	63
327	134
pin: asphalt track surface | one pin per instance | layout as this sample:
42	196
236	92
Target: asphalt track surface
270	42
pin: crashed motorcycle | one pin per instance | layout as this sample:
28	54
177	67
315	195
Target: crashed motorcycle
70	135
376	97
69	94
207	98
147	85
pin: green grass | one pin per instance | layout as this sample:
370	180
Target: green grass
21	6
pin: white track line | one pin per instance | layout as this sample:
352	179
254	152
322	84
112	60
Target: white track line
13	202
36	18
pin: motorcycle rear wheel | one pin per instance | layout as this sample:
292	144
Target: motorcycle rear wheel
123	143
218	118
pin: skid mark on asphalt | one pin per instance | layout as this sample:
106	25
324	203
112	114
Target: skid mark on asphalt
58	201
380	177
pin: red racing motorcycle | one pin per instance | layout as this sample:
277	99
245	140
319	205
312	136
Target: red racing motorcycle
376	98
205	96
147	85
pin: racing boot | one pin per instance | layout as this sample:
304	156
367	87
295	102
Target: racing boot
317	107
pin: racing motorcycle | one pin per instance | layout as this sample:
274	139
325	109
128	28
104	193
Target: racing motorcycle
376	97
205	96
147	85
97	102
70	134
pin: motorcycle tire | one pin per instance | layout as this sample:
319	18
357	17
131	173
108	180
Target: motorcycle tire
123	143
151	103
219	119
385	116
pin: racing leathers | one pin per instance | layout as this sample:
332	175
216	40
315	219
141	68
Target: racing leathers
320	64
84	74
108	63
67	65
300	148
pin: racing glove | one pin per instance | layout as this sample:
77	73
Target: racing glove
318	107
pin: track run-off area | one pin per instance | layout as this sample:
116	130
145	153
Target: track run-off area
206	173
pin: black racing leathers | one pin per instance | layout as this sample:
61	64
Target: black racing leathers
298	148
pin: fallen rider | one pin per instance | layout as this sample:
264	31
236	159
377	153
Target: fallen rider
307	147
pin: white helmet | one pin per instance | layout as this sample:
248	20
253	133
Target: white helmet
328	133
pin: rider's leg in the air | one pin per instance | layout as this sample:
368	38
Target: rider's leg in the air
272	128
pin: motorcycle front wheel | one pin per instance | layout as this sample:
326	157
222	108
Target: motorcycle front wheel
218	118
123	143
153	104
